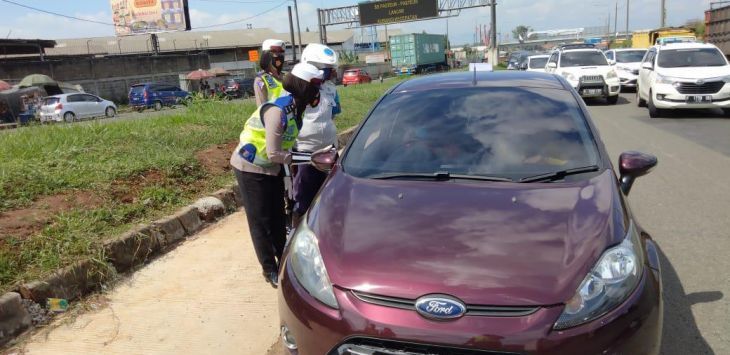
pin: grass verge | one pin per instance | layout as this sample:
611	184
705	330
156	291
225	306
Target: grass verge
136	171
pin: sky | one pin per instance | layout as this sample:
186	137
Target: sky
18	22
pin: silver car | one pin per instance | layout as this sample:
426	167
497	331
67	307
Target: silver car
74	107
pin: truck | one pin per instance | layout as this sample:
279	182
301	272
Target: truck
648	38
417	53
717	27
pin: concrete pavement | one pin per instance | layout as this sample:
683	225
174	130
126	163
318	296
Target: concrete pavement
206	297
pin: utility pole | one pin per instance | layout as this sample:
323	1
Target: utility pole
664	14
299	31
493	35
627	19
291	31
615	22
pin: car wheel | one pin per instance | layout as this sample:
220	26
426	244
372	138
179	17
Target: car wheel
654	112
69	117
188	100
612	100
110	112
158	105
639	101
140	109
726	112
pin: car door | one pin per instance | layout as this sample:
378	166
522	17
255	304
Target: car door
94	106
645	74
77	105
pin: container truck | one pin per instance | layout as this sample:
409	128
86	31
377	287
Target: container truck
417	53
648	38
717	27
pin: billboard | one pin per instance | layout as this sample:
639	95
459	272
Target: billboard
133	17
391	11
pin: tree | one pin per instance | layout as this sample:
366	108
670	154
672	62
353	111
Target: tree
698	26
520	32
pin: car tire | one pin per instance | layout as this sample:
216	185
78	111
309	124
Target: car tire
157	105
69	117
639	101
726	112
187	101
612	100
140	109
110	112
654	112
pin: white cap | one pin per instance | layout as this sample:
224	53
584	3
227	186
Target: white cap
272	43
316	53
307	72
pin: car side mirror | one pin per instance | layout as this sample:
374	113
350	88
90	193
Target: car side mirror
633	164
324	160
611	62
552	65
647	65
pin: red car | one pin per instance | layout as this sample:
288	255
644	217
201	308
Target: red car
461	220
355	76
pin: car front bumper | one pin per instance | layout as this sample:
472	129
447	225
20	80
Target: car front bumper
633	328
627	79
666	96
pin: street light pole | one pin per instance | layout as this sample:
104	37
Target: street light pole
493	35
627	18
664	14
299	31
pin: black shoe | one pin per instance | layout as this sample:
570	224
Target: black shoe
272	278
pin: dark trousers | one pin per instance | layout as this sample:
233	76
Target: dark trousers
263	200
307	182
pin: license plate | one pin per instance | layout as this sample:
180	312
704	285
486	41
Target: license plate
699	99
592	91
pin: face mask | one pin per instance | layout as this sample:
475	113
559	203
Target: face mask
278	62
315	101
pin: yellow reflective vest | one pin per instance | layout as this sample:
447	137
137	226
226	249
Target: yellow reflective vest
252	146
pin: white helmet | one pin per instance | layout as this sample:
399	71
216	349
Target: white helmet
307	72
319	55
275	43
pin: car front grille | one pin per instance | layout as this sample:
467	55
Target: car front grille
471	310
371	346
591	79
710	87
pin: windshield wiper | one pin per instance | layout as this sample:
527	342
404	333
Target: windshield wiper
557	175
439	176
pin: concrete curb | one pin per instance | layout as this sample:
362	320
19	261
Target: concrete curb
14	318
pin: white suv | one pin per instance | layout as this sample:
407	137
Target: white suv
683	76
627	62
587	70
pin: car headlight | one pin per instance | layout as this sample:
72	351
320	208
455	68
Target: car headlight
308	266
611	74
661	79
726	79
607	285
569	76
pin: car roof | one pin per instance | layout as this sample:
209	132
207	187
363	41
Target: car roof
693	45
71	93
629	49
539	56
582	50
465	79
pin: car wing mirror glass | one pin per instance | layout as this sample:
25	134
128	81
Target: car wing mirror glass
552	65
647	65
324	160
632	165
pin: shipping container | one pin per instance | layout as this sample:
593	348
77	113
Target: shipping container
417	53
717	28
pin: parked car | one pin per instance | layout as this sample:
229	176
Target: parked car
587	70
515	58
536	63
627	62
448	228
151	95
74	107
239	88
683	76
355	76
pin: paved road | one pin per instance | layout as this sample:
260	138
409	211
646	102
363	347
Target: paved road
210	281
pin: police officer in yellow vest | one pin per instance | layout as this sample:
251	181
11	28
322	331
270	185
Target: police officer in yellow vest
264	146
267	85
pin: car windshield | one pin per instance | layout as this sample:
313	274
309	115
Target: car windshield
138	89
351	73
51	100
475	132
582	59
537	63
694	57
630	56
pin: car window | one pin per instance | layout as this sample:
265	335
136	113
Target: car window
351	72
50	101
694	57
75	98
537	63
91	98
554	58
138	89
473	131
649	58
630	56
582	58
609	55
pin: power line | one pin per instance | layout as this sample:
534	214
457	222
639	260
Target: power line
244	19
57	14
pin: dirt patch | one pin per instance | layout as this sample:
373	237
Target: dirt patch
26	221
216	158
127	190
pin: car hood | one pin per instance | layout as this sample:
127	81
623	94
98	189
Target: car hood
485	243
588	70
629	66
695	72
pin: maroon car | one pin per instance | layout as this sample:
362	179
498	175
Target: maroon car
474	214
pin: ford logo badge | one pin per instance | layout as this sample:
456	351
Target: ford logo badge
440	307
